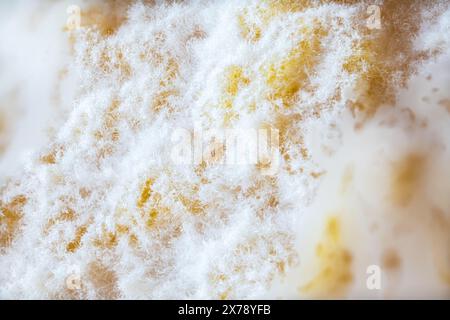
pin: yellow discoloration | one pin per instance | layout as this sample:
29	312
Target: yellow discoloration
66	215
152	216
383	59
224	295
113	60
10	216
405	179
265	13
108	133
108	240
4	132
440	223
168	89
73	245
445	103
287	77
391	260
145	193
105	17
284	6
52	156
162	99
172	70
249	31
334	264
193	206
373	79
236	78
104	280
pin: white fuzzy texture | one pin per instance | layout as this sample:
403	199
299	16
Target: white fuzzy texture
89	103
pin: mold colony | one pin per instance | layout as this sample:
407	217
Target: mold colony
105	197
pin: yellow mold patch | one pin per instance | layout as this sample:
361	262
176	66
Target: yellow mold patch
250	31
108	240
334	264
107	17
265	12
235	79
406	178
284	6
162	98
167	88
152	216
73	245
104	280
287	77
10	216
152	212
64	216
385	58
372	85
108	133
193	206
145	193
52	156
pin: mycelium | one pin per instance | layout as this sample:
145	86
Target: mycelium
93	205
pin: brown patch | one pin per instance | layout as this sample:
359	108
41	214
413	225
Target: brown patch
440	228
385	58
197	34
287	77
167	90
75	244
391	260
53	155
113	60
107	240
249	31
193	205
272	202
316	175
84	192
445	103
289	133
146	192
108	134
107	17
162	99
66	215
104	281
406	178
11	214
